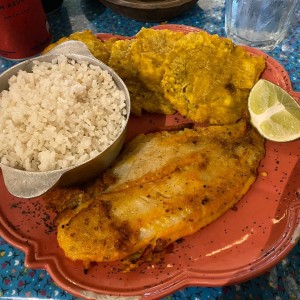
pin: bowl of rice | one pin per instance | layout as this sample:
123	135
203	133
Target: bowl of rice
63	120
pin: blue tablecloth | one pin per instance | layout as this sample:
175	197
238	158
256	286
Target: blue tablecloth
282	282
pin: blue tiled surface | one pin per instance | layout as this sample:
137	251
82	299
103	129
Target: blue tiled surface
282	282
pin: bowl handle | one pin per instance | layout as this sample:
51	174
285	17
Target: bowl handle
74	47
29	184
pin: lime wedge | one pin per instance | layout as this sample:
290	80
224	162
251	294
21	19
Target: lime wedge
274	113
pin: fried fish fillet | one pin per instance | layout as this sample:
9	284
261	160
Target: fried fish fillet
163	187
208	78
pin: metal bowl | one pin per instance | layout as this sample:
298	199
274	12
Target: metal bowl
27	184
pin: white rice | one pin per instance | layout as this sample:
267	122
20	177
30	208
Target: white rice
58	116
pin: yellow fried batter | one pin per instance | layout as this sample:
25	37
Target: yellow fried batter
208	78
141	97
100	49
121	61
149	52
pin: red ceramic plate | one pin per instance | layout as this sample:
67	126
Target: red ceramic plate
240	245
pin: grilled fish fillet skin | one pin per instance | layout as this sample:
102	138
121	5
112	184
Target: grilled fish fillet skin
174	198
135	167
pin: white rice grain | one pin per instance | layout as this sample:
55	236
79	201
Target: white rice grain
58	116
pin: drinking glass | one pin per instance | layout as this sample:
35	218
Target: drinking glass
258	23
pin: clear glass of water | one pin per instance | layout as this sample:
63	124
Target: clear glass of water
258	23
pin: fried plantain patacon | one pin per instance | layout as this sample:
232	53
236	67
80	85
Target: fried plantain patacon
204	77
208	78
142	99
164	186
149	52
